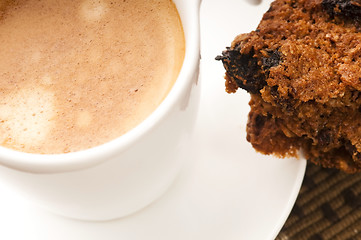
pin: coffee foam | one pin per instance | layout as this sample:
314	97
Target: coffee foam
93	10
26	117
79	73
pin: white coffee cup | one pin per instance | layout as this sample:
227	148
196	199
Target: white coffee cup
125	175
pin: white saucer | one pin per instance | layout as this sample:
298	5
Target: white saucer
226	192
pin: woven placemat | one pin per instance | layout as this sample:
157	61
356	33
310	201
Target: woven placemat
328	207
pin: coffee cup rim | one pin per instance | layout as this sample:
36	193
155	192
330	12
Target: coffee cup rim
72	161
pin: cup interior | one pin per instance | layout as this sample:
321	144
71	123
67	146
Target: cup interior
51	163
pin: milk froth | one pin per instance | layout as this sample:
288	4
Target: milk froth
78	73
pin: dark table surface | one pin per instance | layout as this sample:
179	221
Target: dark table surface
328	207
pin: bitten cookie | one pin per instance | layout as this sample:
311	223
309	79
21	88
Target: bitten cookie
302	68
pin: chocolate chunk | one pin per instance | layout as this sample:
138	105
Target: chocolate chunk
244	69
273	60
349	10
260	120
324	137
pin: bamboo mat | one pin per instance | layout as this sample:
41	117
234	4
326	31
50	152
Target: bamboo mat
328	207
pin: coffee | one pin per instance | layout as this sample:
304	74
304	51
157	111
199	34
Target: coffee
75	74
